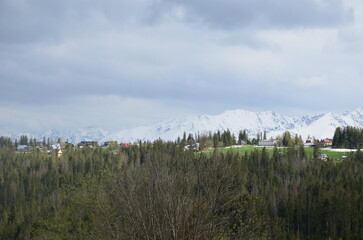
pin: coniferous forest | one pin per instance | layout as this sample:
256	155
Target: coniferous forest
159	191
348	137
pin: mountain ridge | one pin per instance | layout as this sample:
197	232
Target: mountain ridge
320	125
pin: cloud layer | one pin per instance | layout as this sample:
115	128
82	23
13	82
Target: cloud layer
254	14
125	63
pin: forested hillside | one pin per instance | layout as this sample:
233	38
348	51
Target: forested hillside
158	191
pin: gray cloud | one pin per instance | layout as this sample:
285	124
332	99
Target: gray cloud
60	58
52	21
256	13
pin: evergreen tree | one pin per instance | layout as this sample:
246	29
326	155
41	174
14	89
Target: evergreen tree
286	139
317	151
348	137
23	140
190	139
5	142
184	140
240	137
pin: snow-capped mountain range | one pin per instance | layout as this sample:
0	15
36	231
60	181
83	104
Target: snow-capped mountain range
318	125
91	133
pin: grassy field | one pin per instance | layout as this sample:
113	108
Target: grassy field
308	151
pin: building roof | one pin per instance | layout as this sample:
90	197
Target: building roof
55	146
22	147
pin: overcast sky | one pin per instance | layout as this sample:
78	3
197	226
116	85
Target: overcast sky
123	63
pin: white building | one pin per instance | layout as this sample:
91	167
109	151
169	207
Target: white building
267	143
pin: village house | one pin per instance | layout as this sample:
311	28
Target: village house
109	143
59	153
55	149
22	148
267	143
125	145
194	147
327	142
41	149
309	142
91	144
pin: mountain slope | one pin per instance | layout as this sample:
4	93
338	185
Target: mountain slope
319	125
91	133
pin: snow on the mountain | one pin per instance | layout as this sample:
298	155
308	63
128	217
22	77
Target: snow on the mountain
323	127
91	133
319	126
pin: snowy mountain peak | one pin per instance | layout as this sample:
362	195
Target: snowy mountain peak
358	111
318	125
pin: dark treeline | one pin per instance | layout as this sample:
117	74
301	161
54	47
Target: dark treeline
216	139
348	137
5	142
159	191
226	138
